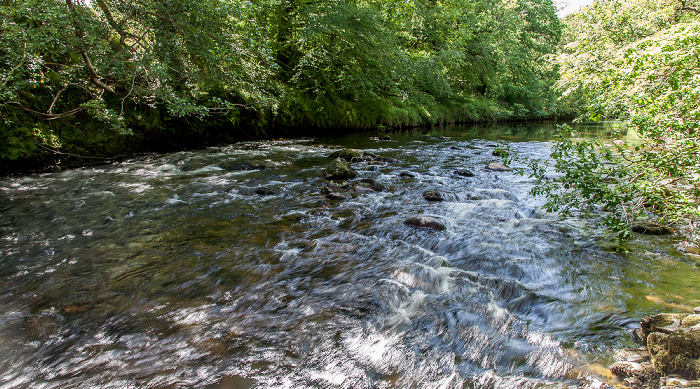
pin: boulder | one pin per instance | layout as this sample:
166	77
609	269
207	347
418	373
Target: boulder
407	174
236	166
676	353
336	196
349	155
497	167
464	173
651	229
262	191
672	349
339	169
371	184
433	195
425	222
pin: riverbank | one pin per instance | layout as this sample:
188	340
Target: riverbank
669	356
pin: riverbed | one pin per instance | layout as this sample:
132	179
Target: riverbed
229	267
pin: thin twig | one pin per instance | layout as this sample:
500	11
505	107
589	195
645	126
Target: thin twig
21	62
46	148
48	116
55	99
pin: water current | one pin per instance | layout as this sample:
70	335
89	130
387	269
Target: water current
229	268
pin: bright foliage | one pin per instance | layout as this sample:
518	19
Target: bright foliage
81	76
636	60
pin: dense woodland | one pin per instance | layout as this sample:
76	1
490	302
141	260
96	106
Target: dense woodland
90	78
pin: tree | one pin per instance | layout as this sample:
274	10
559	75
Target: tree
619	62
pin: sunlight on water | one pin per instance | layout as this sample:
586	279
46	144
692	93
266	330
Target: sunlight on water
230	268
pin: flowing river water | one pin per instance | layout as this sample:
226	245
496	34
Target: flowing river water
229	268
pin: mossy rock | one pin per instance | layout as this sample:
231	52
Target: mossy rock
371	184
349	155
676	353
651	229
433	195
339	169
426	222
665	323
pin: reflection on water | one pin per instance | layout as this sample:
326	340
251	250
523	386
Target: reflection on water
229	268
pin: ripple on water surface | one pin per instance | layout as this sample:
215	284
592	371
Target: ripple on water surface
179	271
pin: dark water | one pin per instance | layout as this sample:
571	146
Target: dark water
170	271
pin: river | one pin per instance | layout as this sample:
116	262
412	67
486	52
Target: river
229	268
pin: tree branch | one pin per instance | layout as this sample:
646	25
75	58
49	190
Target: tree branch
46	148
94	76
686	7
48	116
21	62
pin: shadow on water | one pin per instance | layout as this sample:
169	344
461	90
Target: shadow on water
230	268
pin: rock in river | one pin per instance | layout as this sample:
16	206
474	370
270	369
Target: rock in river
349	155
339	169
371	184
497	167
433	195
651	229
672	349
464	173
425	222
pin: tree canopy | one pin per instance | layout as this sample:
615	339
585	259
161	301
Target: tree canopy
85	77
635	60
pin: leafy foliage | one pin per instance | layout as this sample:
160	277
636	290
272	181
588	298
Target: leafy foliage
622	63
94	73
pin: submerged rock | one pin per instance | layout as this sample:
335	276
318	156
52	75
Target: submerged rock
337	196
425	222
371	184
651	229
407	174
262	191
43	325
339	169
237	166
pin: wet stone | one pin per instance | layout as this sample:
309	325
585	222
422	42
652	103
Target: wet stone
240	166
262	191
339	169
465	173
336	196
349	155
407	174
497	167
371	184
426	222
651	229
433	195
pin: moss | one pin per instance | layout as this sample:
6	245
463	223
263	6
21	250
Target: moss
676	353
